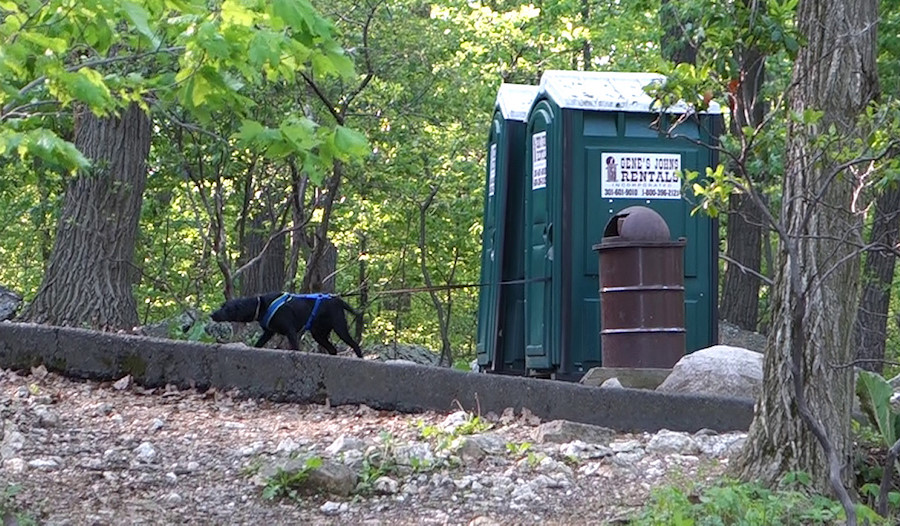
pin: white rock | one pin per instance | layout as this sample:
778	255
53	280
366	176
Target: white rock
145	452
386	485
624	446
667	442
173	499
48	464
13	441
344	443
234	425
330	508
287	445
629	459
46	416
122	383
612	383
580	450
14	465
719	370
453	421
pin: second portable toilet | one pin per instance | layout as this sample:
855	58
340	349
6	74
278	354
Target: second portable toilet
591	150
500	347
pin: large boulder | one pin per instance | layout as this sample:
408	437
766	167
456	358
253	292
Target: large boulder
718	370
9	303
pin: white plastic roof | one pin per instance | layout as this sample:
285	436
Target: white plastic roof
609	90
515	100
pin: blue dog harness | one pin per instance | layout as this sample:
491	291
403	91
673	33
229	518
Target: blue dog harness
286	297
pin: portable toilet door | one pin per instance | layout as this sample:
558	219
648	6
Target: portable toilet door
579	121
543	232
500	347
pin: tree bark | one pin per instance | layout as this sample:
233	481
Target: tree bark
870	331
740	290
90	273
816	285
321	263
267	275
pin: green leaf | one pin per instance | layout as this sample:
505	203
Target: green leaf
350	142
295	13
200	89
250	130
139	17
87	85
875	399
56	45
234	13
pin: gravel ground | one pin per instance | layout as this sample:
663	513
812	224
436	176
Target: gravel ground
103	453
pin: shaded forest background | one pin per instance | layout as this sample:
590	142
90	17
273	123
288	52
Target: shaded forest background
225	213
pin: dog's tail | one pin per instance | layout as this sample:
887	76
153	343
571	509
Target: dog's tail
346	306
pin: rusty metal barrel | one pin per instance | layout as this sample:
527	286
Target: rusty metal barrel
641	291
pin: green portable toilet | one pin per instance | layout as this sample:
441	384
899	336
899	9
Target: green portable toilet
592	150
500	347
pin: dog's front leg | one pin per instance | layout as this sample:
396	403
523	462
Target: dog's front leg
294	340
264	339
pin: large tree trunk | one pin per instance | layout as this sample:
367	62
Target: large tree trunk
740	290
806	400
870	331
321	262
90	273
268	274
739	302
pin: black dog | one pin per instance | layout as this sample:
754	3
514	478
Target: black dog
291	315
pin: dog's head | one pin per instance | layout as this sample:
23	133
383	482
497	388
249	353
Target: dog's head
240	309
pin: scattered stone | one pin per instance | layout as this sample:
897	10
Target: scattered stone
612	383
184	455
331	508
579	450
122	383
14	466
344	443
12	442
145	452
46	416
562	431
287	445
454	421
173	499
386	485
480	446
39	372
669	442
48	464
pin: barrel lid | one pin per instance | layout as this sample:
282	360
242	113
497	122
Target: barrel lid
637	225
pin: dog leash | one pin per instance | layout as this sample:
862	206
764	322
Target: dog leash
286	297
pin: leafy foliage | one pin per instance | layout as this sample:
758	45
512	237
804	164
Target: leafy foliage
875	399
746	504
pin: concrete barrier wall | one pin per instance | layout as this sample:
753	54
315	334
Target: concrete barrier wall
305	377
